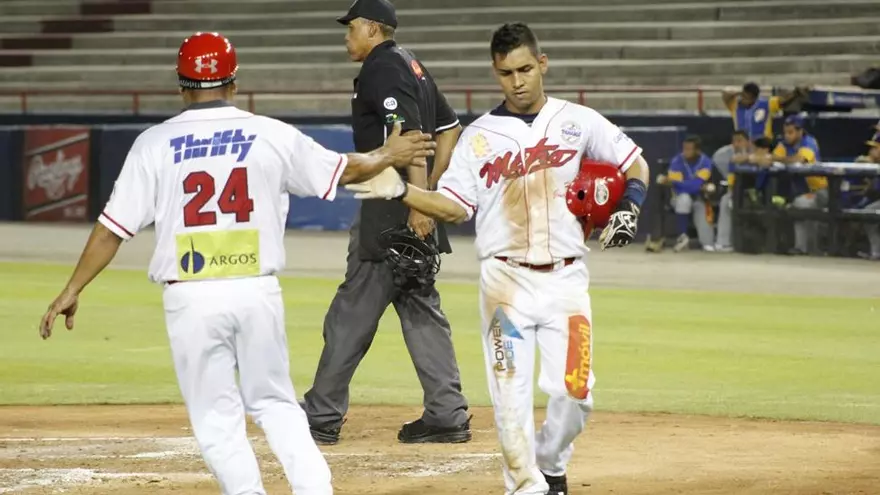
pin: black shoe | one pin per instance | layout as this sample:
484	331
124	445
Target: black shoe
558	484
420	432
327	433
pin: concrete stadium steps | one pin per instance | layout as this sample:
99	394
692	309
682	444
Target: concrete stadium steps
727	32
249	83
75	7
556	50
280	76
296	45
246	19
281	6
279	104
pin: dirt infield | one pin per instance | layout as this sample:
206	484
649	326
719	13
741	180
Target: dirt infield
149	450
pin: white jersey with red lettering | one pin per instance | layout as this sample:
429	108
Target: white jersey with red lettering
216	181
512	174
527	219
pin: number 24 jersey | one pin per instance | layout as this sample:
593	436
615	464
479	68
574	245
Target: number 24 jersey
216	183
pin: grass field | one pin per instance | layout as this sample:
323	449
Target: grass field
685	352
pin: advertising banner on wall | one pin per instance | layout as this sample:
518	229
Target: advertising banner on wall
55	173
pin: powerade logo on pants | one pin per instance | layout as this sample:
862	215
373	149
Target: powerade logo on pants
224	254
502	332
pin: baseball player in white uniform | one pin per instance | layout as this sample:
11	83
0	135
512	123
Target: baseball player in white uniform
216	181
510	169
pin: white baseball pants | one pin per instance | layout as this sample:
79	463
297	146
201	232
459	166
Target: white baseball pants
217	328
521	309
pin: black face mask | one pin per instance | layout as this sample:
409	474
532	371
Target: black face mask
414	262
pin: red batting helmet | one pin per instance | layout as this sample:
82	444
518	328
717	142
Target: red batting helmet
206	60
595	192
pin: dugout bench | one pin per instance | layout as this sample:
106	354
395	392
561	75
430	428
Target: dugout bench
771	216
659	206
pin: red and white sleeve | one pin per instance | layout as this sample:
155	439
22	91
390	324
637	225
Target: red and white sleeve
132	204
607	143
311	169
459	181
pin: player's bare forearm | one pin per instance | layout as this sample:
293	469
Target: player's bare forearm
434	205
409	150
98	253
418	176
446	142
729	95
639	170
364	166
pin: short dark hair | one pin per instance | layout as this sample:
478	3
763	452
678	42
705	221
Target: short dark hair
695	140
511	36
741	133
763	142
751	88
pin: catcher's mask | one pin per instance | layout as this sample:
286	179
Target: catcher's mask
414	262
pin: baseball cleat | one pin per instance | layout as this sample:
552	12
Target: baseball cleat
558	484
420	432
682	243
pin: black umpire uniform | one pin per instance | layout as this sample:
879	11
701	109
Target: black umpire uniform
391	86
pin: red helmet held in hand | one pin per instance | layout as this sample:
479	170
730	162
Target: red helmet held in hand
206	60
593	195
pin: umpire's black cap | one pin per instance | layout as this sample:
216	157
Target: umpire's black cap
373	10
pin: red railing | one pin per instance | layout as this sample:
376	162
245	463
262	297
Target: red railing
582	93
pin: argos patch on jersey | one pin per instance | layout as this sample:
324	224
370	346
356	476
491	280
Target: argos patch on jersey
577	364
390	103
222	254
572	133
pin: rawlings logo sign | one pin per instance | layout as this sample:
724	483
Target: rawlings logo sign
57	177
55	173
537	158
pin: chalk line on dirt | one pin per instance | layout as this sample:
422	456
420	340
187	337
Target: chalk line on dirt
31	478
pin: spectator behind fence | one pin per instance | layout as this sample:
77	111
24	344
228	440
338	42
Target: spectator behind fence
871	201
798	147
736	153
689	173
752	112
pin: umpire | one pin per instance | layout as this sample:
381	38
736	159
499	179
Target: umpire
392	86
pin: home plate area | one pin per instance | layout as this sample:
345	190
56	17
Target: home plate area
122	450
175	461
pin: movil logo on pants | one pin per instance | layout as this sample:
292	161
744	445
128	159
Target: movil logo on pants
56	177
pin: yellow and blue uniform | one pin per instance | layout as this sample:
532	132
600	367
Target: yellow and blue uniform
756	120
688	178
807	150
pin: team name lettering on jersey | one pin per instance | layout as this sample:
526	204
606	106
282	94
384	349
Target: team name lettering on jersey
232	141
537	158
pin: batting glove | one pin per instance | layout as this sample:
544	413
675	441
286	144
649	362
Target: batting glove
621	228
386	185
